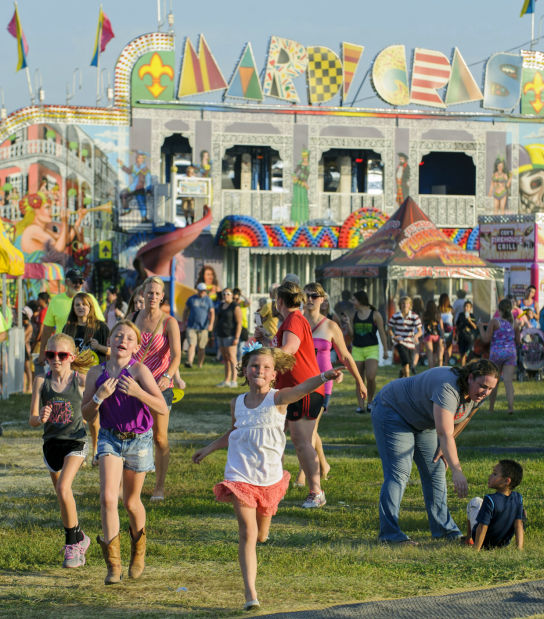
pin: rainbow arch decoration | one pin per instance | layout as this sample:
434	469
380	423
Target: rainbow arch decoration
360	225
466	238
241	231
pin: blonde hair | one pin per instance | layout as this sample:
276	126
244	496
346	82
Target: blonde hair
130	325
283	361
153	280
83	360
317	288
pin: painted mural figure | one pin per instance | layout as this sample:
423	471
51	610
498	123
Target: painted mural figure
38	236
205	167
299	207
500	184
140	184
402	177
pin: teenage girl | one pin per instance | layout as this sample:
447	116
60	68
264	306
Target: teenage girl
128	399
255	481
326	333
367	325
89	333
56	404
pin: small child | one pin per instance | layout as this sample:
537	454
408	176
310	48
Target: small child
493	520
255	481
56	403
128	399
531	318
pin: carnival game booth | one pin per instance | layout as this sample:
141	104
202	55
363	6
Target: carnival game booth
516	243
410	255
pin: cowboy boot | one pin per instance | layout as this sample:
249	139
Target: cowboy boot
137	554
112	556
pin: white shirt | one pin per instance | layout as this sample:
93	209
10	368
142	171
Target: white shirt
257	444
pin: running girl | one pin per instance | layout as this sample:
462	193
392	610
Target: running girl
255	481
56	403
128	399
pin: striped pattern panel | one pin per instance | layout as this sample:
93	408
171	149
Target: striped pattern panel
431	71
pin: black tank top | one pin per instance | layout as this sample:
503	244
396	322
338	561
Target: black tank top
65	421
364	331
226	323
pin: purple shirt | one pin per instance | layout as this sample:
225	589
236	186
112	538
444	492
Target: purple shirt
123	412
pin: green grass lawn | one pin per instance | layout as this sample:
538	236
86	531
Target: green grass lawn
316	558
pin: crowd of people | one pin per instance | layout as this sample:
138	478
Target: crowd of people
113	373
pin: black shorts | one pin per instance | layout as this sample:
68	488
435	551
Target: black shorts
309	406
56	449
406	355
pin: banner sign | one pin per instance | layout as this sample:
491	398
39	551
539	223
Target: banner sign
437	80
507	242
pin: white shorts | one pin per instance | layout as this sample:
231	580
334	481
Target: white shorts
473	508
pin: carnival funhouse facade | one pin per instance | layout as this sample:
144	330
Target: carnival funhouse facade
290	185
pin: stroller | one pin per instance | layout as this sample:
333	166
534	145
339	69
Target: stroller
531	355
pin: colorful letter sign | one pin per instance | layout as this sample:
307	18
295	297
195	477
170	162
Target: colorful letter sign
199	73
351	55
462	87
390	77
324	74
502	81
245	82
532	83
431	71
286	60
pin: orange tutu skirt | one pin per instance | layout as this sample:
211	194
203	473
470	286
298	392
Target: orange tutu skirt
264	498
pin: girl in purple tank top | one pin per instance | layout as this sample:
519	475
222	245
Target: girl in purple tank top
127	398
326	333
504	335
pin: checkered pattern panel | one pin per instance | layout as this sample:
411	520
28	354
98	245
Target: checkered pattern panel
325	74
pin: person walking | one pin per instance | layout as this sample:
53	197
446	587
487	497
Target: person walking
161	353
228	327
367	323
405	331
504	335
197	321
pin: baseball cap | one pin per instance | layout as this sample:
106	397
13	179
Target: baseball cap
201	286
74	275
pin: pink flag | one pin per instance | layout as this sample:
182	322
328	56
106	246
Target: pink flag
12	29
107	32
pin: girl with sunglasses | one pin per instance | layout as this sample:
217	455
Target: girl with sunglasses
56	404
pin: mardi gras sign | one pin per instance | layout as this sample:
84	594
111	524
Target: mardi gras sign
435	81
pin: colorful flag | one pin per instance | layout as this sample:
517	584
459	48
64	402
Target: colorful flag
528	7
14	28
104	34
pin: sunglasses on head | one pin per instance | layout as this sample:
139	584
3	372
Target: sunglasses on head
313	295
52	354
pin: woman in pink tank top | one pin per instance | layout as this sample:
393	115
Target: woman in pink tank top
160	351
326	335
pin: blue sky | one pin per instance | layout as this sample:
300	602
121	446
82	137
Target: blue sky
61	34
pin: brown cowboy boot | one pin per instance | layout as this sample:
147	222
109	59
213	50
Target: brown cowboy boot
112	556
137	554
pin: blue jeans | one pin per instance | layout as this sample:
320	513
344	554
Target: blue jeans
399	444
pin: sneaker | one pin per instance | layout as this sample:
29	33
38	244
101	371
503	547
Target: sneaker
233	384
83	547
361	411
315	499
188	365
72	556
223	383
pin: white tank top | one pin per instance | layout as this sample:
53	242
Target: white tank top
257	444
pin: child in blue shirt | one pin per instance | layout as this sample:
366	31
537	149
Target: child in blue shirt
495	519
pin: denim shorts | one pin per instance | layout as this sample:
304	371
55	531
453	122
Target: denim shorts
225	342
137	453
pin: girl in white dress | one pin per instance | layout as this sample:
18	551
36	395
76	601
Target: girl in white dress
255	481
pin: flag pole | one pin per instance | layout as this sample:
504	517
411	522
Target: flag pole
533	28
99	43
29	82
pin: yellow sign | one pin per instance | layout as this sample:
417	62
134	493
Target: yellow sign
104	250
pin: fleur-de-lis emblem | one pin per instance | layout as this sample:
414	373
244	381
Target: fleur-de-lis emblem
537	86
156	69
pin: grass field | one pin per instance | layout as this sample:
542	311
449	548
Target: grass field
316	558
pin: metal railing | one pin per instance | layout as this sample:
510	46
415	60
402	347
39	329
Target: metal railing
449	211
